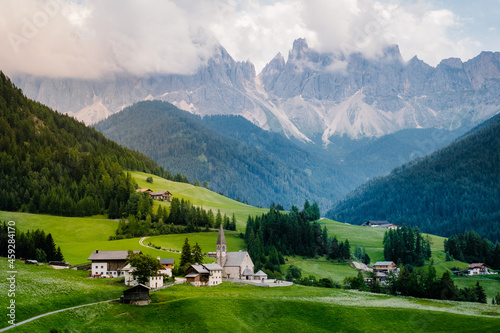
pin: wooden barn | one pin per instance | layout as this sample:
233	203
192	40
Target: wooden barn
138	295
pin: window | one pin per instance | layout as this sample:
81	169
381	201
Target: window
102	267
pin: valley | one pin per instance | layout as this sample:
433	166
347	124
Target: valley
249	166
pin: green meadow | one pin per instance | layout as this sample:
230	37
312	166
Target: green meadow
243	308
200	196
228	307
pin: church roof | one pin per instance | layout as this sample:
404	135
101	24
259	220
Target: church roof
221	239
235	258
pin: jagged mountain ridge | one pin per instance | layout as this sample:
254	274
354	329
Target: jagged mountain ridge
311	93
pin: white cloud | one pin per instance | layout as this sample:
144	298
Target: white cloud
91	38
94	38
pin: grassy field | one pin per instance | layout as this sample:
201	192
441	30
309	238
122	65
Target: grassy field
201	197
321	268
243	308
371	239
76	236
40	289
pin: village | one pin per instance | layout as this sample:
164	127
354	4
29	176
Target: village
229	266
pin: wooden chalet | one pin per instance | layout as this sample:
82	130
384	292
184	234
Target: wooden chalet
161	195
477	269
204	275
384	267
380	224
143	190
138	295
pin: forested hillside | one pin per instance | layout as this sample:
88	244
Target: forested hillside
51	163
452	190
261	168
247	163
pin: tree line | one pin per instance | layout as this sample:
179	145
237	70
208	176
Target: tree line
406	245
34	244
418	283
182	217
272	235
471	247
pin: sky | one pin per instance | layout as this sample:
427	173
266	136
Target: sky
95	38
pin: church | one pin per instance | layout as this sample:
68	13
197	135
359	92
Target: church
235	265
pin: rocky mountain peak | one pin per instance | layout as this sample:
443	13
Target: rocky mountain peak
299	49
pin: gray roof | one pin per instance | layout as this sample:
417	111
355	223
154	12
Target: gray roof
260	273
247	272
221	239
379	222
159	193
110	255
167	261
205	268
235	258
192	275
212	267
383	263
199	269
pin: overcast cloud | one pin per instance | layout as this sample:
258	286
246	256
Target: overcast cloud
94	38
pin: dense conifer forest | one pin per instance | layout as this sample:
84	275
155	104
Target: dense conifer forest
272	235
450	191
471	247
51	163
140	220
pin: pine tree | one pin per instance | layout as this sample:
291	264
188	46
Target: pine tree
197	254
186	255
481	295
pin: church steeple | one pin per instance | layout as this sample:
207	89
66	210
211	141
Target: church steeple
221	248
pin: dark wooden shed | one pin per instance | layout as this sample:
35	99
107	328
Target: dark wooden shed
138	295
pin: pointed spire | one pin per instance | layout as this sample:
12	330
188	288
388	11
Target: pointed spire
221	239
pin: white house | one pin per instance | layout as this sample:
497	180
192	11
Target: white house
478	269
167	266
155	281
108	264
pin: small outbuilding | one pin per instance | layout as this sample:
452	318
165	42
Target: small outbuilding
261	276
138	295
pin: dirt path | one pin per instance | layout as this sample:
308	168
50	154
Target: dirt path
141	242
49	313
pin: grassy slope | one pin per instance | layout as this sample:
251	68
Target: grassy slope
201	197
243	308
40	289
78	237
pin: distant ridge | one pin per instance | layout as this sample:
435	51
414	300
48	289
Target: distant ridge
450	191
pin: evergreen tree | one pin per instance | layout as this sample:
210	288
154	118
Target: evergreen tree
480	293
186	255
197	254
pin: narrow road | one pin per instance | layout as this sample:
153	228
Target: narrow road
141	242
49	313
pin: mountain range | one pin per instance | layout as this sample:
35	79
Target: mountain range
310	95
